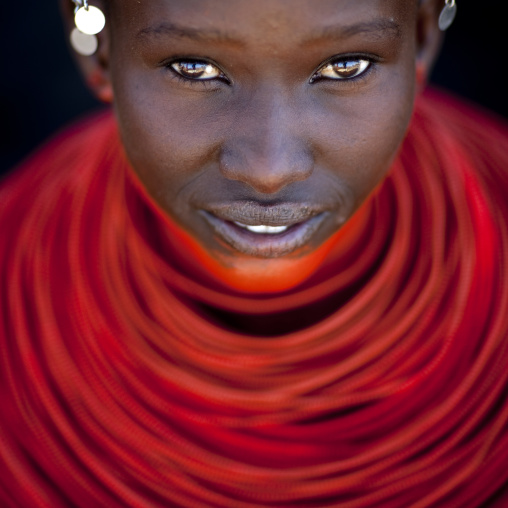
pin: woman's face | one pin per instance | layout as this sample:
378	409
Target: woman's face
261	126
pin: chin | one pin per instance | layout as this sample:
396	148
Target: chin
268	275
222	264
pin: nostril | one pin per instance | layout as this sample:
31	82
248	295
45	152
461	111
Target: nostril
267	172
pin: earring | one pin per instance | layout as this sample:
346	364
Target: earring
89	21
447	15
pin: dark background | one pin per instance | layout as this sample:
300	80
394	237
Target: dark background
40	88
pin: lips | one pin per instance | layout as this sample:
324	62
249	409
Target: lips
265	231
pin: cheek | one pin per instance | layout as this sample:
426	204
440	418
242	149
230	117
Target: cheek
169	140
361	137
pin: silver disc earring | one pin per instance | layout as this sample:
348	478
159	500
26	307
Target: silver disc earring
89	21
447	15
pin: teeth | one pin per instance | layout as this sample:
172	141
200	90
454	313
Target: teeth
264	230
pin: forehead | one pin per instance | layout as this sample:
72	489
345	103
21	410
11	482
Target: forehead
260	20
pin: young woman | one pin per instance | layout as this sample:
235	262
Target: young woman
275	276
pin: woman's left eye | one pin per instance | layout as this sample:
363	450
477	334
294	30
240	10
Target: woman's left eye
200	71
342	69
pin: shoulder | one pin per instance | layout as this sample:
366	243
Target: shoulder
459	115
60	154
461	138
37	192
461	129
62	159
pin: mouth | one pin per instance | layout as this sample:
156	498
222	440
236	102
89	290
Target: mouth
265	231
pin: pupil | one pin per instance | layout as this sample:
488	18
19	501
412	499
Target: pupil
347	69
193	69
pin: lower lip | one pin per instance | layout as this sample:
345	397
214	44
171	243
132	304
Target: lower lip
265	245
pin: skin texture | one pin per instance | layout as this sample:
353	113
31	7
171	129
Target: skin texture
267	137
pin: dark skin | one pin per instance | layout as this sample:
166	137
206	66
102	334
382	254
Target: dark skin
279	113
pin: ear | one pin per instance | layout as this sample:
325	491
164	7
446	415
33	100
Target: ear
95	68
429	38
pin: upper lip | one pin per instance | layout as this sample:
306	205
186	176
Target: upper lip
252	213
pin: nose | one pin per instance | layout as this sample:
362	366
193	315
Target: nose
266	147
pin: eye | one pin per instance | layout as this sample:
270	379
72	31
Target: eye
197	70
343	69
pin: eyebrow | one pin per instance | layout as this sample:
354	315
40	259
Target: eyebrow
176	31
378	28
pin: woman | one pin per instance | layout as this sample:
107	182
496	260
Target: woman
274	278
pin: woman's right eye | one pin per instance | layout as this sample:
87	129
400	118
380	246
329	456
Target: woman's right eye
196	70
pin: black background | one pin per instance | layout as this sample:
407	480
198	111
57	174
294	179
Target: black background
40	88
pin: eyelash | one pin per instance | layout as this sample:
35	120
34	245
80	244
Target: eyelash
372	61
207	83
